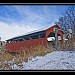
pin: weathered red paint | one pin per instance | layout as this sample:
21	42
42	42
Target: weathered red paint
51	29
16	46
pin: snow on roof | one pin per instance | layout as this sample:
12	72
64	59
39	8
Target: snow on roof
38	30
28	33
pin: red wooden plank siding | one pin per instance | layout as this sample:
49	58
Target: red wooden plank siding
16	46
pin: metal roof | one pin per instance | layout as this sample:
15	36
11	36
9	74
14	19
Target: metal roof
29	33
33	32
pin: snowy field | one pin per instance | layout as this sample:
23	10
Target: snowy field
57	60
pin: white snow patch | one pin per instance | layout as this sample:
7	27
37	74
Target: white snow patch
57	60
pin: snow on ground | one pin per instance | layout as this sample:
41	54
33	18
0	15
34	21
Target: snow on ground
57	60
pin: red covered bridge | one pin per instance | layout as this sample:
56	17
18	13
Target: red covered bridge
32	39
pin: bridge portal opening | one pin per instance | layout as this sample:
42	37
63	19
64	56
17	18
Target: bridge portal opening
51	39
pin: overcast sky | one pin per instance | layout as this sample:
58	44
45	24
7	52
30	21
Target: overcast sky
19	19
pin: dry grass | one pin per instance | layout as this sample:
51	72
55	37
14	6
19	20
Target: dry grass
6	56
67	45
25	53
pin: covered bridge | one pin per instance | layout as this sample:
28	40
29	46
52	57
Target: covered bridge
32	39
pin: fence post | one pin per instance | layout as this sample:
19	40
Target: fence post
56	38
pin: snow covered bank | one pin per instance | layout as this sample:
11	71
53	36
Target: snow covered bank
58	60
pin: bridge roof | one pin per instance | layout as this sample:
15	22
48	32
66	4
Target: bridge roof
34	32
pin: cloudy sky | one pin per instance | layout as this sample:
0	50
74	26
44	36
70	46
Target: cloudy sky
19	19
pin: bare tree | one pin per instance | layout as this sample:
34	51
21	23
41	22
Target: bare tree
68	20
71	17
67	23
